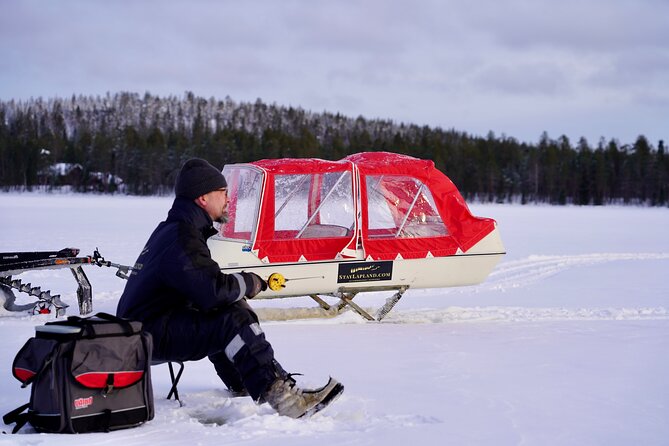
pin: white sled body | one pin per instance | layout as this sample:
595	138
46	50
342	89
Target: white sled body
371	221
323	277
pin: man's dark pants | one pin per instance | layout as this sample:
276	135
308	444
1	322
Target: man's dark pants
230	337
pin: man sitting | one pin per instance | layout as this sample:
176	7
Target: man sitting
192	310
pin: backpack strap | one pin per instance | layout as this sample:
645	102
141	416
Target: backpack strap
87	325
17	416
125	323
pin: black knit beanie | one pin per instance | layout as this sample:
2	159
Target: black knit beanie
198	177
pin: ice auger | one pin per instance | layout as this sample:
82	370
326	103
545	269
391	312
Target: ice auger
15	263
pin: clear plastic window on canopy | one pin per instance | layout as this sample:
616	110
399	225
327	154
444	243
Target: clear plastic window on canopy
244	187
318	205
401	207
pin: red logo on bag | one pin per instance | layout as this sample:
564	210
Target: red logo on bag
82	403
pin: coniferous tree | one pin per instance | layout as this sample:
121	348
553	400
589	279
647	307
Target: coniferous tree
144	140
662	181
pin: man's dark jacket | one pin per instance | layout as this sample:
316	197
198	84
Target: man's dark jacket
175	270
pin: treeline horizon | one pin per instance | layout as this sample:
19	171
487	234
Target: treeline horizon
144	139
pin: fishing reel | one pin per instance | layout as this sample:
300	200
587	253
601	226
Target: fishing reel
276	281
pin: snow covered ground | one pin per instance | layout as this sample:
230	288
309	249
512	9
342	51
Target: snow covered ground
566	343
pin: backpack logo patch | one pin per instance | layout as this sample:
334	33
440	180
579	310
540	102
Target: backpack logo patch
82	403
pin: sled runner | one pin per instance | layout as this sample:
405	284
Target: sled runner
372	221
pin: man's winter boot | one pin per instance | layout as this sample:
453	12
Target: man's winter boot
289	400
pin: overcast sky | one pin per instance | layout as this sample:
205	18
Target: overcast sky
587	68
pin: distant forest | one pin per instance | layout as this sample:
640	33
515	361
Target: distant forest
135	144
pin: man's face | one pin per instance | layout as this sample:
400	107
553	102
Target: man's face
216	205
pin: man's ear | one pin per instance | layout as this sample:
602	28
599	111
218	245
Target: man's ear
201	201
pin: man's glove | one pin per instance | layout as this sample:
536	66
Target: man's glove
254	284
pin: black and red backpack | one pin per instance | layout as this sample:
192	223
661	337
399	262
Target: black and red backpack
86	375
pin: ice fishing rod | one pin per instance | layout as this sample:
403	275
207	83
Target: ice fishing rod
276	281
123	270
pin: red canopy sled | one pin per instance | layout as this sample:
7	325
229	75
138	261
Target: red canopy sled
377	210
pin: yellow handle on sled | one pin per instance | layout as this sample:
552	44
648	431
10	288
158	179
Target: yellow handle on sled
276	281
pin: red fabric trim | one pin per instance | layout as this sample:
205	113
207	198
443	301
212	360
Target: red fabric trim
23	375
311	249
99	380
465	230
275	247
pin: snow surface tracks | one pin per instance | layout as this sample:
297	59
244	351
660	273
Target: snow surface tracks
506	284
522	273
